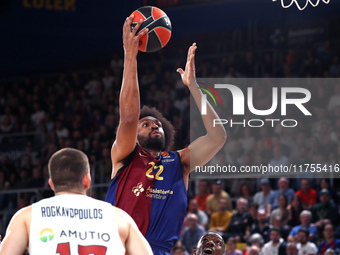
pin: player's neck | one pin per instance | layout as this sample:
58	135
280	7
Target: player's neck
70	193
154	153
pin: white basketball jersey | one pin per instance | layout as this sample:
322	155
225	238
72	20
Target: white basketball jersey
74	224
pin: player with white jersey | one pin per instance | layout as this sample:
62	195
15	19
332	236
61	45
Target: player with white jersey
72	223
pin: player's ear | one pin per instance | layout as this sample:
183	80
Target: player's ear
87	181
51	183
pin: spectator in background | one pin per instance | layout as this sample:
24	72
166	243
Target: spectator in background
253	208
294	210
281	211
254	250
334	69
192	233
92	85
37	115
240	223
330	252
37	180
276	245
219	221
107	80
247	140
257	240
231	247
276	222
305	219
304	246
246	192
214	198
307	194
262	197
26	163
279	159
179	250
283	189
203	194
329	240
61	130
324	184
6	164
334	101
24	180
116	62
292	249
6	125
202	217
261	226
324	212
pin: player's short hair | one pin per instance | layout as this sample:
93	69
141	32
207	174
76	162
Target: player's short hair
67	168
169	130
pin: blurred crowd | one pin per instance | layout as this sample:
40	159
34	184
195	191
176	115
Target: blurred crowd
266	221
43	113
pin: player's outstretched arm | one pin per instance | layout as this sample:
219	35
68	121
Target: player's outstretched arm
135	243
129	102
16	239
200	151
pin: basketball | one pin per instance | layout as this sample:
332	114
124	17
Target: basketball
159	26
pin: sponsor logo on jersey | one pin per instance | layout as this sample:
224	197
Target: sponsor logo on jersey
158	193
85	235
167	160
137	190
165	154
46	234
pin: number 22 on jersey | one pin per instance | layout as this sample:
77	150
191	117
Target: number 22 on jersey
158	169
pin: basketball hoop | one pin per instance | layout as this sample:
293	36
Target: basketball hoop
298	5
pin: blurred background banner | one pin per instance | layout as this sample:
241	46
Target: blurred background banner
49	34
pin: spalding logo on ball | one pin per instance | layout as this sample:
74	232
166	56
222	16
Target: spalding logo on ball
159	26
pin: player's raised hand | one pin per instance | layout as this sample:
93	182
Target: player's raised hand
189	74
130	39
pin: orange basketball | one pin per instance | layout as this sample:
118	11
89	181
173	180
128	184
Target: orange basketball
159	26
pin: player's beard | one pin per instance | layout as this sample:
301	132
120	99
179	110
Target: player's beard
151	143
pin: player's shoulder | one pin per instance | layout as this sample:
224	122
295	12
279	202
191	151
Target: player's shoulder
180	152
23	213
120	215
